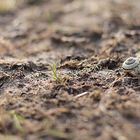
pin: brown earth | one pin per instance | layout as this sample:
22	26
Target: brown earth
88	96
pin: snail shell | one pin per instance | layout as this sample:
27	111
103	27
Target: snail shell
132	65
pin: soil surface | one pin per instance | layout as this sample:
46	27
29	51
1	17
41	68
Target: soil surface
60	70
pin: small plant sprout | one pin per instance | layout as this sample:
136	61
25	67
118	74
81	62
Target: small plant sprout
17	120
55	74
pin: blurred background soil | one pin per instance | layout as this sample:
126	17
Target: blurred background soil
60	70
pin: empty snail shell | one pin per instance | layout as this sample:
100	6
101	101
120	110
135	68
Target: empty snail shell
132	65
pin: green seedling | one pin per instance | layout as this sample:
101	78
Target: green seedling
17	120
55	74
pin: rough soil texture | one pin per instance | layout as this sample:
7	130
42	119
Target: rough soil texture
88	97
